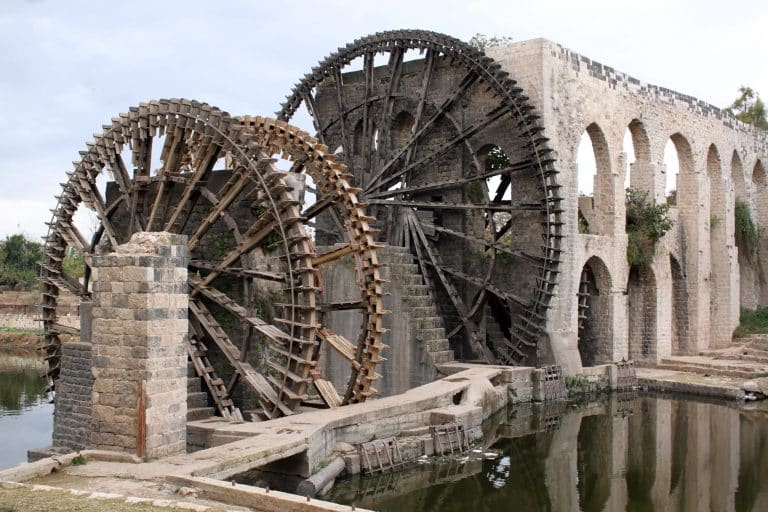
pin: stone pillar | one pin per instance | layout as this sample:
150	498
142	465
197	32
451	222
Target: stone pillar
139	336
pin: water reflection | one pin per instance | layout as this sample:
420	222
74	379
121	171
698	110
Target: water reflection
26	419
627	453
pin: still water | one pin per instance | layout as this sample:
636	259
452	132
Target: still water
630	453
26	417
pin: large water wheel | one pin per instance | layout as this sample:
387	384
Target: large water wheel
254	274
453	162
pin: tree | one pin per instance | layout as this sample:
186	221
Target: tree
19	258
749	108
483	42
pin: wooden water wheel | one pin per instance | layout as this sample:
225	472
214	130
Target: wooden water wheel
253	276
453	162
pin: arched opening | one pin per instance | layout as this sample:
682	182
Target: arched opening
402	129
737	175
637	147
720	298
360	135
678	160
748	276
628	148
595	315
594	182
679	309
641	305
761	220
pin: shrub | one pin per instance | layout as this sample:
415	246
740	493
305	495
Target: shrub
746	232
646	224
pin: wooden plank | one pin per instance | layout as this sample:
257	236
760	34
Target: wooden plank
334	254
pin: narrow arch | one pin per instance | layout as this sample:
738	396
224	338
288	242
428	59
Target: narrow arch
737	175
758	174
748	276
719	264
679	309
639	173
402	129
678	161
594	181
641	304
595	333
760	187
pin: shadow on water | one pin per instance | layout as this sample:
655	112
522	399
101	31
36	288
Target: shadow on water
26	418
624	452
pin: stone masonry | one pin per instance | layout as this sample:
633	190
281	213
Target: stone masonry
688	300
71	423
139	346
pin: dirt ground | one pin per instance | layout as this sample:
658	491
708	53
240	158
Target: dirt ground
10	339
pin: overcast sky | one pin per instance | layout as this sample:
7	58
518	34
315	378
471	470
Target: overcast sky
67	67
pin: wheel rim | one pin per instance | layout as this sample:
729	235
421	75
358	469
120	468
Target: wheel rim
460	103
232	220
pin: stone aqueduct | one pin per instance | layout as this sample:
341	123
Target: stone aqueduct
690	297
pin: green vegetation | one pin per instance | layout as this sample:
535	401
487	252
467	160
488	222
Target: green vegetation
746	232
16	330
483	42
74	263
646	224
222	244
79	460
752	322
19	259
577	384
749	108
474	192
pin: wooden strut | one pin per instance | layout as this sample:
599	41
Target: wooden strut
385	175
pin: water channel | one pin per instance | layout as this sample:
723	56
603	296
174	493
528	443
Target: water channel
633	453
636	452
26	417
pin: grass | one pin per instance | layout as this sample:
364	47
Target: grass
752	322
15	330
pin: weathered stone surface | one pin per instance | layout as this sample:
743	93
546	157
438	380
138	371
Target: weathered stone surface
139	339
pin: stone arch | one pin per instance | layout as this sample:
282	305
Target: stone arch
401	130
683	154
748	290
641	314
760	187
737	175
595	333
719	261
358	136
640	170
679	337
596	202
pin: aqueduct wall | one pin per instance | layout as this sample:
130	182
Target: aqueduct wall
689	299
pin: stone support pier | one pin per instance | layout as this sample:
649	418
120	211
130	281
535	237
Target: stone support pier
139	336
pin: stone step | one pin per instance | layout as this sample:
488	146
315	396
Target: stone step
418	301
428	322
438	345
442	356
194	385
416	290
435	333
405	268
200	413
197	399
723	370
422	311
751	357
